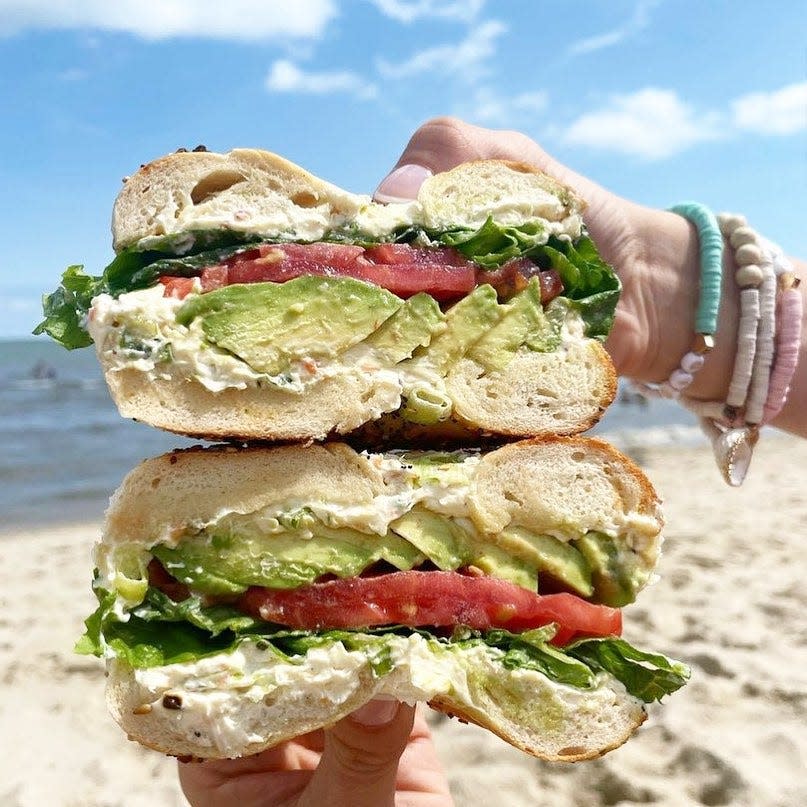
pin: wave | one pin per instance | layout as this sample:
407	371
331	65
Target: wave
38	384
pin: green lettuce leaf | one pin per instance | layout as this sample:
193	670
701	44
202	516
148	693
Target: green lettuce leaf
589	283
66	308
531	650
647	676
493	244
92	642
160	631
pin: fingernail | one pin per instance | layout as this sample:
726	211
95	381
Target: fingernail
375	713
402	185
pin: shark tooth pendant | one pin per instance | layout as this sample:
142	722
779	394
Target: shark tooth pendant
733	449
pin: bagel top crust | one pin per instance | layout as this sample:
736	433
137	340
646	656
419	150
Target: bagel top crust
260	193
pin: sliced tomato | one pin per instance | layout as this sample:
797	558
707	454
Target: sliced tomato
444	279
277	263
512	277
437	599
402	269
214	277
407	254
179	287
159	578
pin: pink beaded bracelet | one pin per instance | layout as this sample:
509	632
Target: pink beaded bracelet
788	340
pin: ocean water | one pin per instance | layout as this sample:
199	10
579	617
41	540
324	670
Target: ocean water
65	448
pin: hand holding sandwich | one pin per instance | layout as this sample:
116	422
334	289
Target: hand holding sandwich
381	753
656	253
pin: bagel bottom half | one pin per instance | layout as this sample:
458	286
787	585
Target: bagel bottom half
239	703
562	392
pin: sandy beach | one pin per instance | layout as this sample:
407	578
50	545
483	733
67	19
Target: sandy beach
731	602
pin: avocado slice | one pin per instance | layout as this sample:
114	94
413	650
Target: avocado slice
413	325
523	322
269	324
442	541
613	582
547	554
496	562
466	321
229	564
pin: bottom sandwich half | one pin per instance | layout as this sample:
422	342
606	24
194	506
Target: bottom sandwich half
250	595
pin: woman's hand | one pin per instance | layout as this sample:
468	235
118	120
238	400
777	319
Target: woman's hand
381	755
654	253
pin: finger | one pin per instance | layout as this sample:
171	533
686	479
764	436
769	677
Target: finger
421	776
442	143
360	761
249	780
219	784
436	146
402	184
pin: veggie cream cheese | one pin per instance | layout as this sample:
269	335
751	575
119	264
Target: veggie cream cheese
228	700
139	330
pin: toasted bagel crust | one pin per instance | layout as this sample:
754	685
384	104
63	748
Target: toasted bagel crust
544	484
255	191
537	393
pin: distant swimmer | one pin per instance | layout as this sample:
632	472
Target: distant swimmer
42	371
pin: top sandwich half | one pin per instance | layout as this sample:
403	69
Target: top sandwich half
251	300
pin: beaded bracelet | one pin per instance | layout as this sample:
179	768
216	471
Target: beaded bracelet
788	339
711	263
767	349
768	338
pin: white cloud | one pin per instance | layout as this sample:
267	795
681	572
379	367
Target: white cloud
285	76
651	123
637	22
466	59
494	108
409	12
781	112
163	19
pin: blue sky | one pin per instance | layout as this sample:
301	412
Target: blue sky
660	100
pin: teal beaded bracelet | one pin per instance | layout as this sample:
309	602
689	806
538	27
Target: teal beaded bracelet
711	269
711	256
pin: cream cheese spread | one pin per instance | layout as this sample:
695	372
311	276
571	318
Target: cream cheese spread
227	701
139	330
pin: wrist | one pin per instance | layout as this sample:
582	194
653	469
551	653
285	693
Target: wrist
669	276
659	273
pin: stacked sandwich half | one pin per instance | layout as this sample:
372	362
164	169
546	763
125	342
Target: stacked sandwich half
252	592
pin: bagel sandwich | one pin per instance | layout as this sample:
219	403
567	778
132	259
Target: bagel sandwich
250	595
250	300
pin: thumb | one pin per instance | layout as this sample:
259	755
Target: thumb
402	183
359	764
439	144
